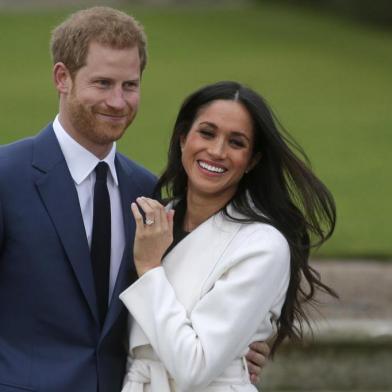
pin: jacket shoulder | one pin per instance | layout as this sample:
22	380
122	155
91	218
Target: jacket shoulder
137	173
15	148
15	154
136	168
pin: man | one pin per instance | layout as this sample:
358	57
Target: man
65	224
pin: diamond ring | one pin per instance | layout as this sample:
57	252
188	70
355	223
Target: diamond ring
149	222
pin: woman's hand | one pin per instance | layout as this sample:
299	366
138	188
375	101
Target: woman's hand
153	236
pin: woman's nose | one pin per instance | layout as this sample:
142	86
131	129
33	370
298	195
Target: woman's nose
217	149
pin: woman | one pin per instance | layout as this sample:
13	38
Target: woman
247	212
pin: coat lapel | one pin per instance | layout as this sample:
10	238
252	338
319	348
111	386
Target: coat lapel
198	255
60	197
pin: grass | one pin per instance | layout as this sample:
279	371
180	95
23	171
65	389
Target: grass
328	80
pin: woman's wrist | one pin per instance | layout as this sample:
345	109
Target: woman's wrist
144	269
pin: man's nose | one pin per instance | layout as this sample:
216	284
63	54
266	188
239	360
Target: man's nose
116	99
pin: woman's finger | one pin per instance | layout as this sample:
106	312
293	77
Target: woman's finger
170	219
138	216
149	212
164	219
256	358
155	206
159	211
152	202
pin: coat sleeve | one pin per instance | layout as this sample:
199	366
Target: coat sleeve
197	347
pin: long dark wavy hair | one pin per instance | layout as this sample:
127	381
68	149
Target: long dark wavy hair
284	191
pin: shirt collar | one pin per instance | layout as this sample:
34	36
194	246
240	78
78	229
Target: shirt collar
80	161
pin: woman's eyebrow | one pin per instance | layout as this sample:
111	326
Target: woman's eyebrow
208	123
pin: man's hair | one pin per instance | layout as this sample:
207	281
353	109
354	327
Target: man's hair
106	26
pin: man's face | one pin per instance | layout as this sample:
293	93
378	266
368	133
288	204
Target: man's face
103	97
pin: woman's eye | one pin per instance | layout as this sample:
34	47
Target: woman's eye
237	143
206	133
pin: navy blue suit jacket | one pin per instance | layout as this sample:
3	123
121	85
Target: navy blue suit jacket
50	336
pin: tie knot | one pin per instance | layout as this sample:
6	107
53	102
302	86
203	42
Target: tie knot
101	171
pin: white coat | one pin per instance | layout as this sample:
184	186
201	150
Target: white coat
217	291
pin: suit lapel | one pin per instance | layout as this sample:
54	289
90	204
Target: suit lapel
59	195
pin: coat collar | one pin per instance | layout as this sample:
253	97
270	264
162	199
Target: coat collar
218	230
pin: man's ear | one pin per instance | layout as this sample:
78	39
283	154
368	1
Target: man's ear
254	161
62	78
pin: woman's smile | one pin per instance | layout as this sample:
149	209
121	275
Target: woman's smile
211	168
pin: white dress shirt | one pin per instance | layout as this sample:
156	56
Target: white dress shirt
81	164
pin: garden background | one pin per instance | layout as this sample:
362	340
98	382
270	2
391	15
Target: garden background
327	77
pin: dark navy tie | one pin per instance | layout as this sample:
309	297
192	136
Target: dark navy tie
100	243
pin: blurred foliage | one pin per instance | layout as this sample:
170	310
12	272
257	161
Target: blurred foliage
328	80
375	11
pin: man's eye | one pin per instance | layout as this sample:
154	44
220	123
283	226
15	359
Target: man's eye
103	83
131	85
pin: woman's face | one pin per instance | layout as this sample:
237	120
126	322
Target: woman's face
217	150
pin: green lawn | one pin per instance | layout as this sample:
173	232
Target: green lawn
329	80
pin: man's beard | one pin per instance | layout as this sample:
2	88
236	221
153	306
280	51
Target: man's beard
92	128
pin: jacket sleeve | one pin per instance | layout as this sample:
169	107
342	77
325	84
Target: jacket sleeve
1	228
196	348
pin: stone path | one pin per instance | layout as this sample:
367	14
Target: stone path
364	309
364	287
